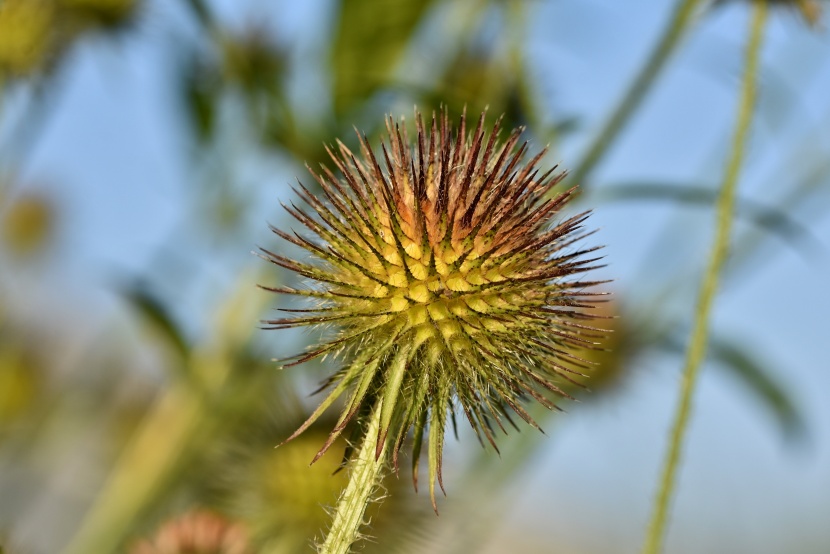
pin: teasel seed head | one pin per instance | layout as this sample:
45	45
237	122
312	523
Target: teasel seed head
448	283
197	531
811	11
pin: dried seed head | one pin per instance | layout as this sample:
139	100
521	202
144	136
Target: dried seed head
810	10
446	280
28	224
25	38
198	531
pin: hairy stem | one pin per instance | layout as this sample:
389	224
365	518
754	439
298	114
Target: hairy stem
697	346
366	473
636	93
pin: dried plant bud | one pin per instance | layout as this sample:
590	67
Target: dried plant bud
447	282
26	40
27	226
612	355
810	10
199	532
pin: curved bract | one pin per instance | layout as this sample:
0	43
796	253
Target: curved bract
441	268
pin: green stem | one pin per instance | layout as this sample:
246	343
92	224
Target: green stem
176	428
366	473
708	288
636	93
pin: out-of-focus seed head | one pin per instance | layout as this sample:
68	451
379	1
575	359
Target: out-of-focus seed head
253	61
447	281
35	35
25	36
279	496
611	357
810	10
29	223
198	531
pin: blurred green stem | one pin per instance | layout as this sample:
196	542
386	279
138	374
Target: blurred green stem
202	13
697	346
366	473
175	427
636	93
516	35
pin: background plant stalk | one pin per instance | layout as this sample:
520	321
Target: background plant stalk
708	288
682	18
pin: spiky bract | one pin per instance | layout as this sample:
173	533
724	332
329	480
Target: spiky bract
446	281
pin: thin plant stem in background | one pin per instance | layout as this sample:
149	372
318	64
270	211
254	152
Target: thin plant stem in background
637	91
697	346
366	475
179	424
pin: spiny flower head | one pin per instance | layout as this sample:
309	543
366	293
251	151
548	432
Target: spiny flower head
446	280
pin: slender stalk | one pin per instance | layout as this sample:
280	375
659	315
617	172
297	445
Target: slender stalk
175	427
366	473
636	93
709	285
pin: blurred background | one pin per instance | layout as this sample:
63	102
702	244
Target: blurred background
146	144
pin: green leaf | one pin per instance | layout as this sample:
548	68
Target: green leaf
201	12
371	36
200	90
757	378
139	297
768	218
759	381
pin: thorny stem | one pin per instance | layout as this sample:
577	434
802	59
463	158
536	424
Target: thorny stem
636	93
709	285
366	473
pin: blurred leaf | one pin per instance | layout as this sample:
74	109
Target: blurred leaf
755	376
254	62
469	77
20	380
474	80
180	424
370	37
200	89
201	12
567	125
750	371
152	310
808	194
104	15
770	219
